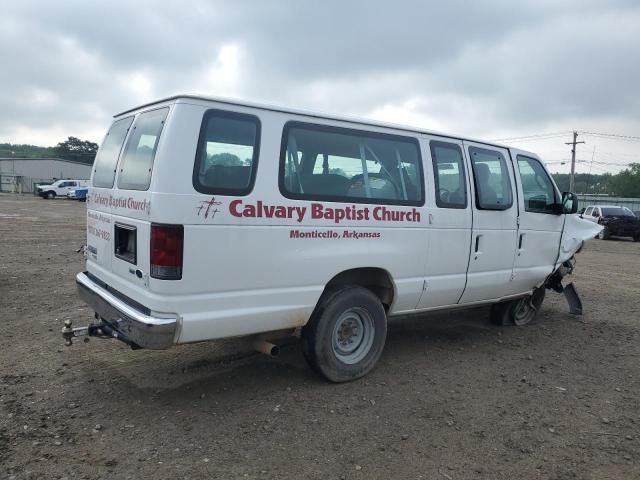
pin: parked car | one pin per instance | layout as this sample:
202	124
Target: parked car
60	188
617	221
277	221
79	194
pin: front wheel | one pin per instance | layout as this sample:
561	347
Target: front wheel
604	234
520	311
51	195
346	334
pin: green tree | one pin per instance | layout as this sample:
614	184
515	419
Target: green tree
225	159
75	149
627	182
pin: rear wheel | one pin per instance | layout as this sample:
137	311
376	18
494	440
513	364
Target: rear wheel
346	334
51	195
520	311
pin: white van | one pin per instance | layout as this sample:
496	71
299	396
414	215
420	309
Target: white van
210	218
60	188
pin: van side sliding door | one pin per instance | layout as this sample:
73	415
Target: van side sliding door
494	232
540	227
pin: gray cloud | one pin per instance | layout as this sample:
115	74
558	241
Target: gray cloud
487	68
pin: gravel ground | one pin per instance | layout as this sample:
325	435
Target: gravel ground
453	397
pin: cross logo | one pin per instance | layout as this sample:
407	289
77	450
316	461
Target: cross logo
206	206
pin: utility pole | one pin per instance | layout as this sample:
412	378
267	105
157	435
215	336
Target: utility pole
573	159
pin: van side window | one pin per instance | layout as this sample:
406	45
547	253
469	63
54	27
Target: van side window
320	162
140	150
227	155
537	188
104	166
448	171
491	179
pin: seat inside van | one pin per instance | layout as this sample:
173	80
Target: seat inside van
227	176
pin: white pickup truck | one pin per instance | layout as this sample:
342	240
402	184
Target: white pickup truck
60	188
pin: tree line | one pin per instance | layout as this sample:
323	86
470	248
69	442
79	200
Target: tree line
623	184
73	148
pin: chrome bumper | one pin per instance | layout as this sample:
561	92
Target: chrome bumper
140	329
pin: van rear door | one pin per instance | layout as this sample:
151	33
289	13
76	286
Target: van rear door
124	257
99	221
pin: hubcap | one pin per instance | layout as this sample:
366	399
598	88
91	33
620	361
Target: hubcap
353	335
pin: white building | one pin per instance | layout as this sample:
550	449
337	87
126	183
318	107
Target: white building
20	174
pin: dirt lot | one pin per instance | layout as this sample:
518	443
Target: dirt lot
452	398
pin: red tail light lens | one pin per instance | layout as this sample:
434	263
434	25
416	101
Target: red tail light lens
167	243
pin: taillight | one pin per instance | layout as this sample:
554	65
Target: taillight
166	251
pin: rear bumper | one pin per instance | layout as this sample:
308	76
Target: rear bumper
143	330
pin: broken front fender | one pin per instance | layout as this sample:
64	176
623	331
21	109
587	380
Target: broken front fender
576	231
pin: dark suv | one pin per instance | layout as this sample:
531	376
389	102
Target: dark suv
617	221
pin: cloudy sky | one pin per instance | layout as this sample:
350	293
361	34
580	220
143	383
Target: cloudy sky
491	69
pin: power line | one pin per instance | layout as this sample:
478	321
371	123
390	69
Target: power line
611	135
540	136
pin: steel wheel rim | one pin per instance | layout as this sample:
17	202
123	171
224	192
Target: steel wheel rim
353	335
522	311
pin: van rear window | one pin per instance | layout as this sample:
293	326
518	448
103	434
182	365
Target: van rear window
227	154
140	151
104	167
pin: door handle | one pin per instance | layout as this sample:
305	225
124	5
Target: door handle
520	242
477	247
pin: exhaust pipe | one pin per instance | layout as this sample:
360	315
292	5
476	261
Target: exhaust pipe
268	348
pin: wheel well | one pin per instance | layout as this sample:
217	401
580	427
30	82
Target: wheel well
375	279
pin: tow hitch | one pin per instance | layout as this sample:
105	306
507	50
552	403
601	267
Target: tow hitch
100	330
554	282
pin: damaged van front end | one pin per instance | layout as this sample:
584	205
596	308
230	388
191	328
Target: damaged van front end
576	231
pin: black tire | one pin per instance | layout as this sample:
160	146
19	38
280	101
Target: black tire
636	237
51	195
604	234
520	311
328	337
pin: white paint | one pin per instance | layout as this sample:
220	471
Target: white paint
246	274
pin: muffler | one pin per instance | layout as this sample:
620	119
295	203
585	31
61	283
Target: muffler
268	348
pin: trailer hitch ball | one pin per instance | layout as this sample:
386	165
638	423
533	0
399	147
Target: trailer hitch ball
67	333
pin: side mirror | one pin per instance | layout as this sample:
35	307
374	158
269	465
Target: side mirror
569	203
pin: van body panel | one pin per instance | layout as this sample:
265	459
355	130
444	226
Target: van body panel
494	234
538	236
260	261
449	230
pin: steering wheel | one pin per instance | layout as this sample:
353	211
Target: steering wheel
444	194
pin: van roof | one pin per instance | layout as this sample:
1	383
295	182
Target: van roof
342	118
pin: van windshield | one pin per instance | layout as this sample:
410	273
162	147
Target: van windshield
140	151
104	167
